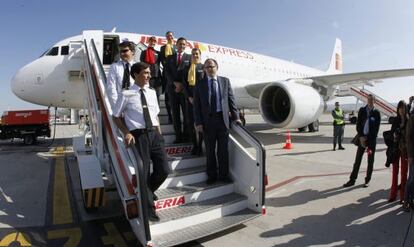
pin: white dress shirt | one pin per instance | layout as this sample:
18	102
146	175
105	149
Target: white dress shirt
114	80
129	103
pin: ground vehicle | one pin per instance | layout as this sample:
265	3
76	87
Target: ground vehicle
25	124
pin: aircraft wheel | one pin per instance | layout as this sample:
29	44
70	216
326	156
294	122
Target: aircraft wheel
314	127
303	129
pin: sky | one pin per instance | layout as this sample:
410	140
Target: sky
375	34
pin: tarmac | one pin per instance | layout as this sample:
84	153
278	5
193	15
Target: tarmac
306	204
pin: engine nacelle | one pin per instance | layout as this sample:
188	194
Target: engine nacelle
290	105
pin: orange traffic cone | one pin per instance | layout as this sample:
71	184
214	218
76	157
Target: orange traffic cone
288	144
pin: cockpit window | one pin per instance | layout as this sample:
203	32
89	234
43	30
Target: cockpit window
64	50
53	52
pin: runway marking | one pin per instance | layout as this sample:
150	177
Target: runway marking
113	237
8	198
22	238
74	236
62	213
290	180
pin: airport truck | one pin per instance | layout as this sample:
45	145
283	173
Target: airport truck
25	124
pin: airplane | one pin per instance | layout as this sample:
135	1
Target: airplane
288	95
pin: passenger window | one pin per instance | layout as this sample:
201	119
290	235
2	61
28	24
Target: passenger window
53	52
64	50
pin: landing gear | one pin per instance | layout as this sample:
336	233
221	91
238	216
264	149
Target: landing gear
313	127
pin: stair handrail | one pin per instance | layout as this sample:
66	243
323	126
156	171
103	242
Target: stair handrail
135	158
248	136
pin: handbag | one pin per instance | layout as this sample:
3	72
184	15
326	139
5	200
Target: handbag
356	140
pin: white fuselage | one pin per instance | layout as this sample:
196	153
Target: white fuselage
56	80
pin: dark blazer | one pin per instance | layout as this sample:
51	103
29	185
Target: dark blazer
201	102
173	68
163	59
409	137
374	123
155	68
188	90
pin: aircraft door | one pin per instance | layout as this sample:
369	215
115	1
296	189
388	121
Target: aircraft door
97	36
139	48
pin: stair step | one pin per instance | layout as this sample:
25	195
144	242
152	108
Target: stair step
167	128
197	212
204	229
188	189
169	137
163	119
176	163
179	196
181	177
179	149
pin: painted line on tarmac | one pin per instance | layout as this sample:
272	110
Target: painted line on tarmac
62	212
290	180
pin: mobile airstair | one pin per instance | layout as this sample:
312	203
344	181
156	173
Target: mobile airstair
381	104
188	208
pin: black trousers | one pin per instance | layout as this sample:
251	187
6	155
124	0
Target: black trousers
195	137
177	104
150	146
358	158
217	134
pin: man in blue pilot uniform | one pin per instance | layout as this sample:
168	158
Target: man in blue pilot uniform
140	126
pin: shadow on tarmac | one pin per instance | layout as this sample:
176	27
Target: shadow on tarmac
367	222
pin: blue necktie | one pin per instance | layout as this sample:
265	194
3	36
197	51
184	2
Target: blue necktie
213	97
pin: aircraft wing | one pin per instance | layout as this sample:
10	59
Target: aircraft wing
360	77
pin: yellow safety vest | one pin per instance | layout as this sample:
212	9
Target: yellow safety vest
339	121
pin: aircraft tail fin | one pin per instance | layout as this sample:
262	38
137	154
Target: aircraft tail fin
335	66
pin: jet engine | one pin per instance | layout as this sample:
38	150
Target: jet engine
290	104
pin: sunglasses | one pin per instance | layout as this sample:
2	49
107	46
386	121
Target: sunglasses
123	51
210	67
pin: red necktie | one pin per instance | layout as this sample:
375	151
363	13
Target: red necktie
179	58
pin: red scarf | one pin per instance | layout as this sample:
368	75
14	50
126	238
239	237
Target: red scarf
150	55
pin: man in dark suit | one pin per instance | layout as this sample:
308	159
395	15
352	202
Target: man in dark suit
174	88
166	51
368	124
213	102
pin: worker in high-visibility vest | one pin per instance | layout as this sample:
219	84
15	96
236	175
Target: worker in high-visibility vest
339	126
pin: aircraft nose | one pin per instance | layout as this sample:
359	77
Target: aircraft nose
18	83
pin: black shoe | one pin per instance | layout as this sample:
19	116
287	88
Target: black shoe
155	197
194	151
366	185
341	148
226	180
333	149
211	181
349	183
152	216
